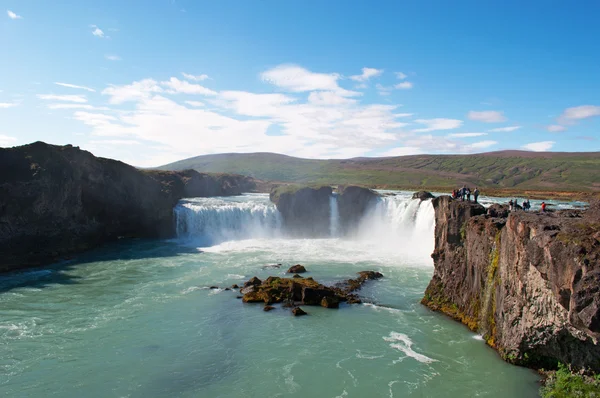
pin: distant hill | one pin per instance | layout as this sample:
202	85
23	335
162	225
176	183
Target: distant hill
518	170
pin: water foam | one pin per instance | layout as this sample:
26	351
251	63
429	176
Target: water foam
216	220
403	343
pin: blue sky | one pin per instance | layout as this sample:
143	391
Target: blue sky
150	82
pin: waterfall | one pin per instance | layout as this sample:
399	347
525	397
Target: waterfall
392	225
401	224
334	216
214	220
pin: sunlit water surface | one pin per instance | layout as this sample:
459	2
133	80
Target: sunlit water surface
137	319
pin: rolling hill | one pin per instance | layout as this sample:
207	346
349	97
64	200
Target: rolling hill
512	170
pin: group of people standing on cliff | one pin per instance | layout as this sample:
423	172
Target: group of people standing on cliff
514	205
464	193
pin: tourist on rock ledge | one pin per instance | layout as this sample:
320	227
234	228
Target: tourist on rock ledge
475	194
543	207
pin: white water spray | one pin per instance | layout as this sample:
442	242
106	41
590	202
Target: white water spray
394	225
334	216
214	220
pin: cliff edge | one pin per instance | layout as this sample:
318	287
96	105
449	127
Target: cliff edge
528	282
59	200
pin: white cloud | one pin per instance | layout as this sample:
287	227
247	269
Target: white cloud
76	106
132	92
6	141
466	135
196	78
402	151
504	129
112	57
97	31
556	128
404	85
539	146
297	79
115	142
75	86
94	119
176	86
66	98
328	98
12	15
367	73
580	112
438	124
5	105
487	116
196	104
401	75
480	145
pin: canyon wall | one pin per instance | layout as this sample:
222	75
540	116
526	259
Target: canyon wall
529	283
59	200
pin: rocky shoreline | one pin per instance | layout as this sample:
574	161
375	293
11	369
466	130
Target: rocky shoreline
528	282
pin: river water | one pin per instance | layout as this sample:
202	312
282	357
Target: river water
137	319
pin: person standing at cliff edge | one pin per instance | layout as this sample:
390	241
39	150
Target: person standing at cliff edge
475	194
543	207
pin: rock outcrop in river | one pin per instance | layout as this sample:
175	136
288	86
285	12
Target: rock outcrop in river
306	210
58	200
528	282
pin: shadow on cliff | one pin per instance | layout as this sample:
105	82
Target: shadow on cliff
61	272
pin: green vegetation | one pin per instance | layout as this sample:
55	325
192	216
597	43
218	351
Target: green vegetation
513	170
564	384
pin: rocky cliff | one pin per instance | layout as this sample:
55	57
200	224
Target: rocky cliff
528	282
58	200
306	211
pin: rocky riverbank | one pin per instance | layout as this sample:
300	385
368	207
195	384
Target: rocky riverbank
528	282
60	200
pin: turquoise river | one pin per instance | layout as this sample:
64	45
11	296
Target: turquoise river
137	319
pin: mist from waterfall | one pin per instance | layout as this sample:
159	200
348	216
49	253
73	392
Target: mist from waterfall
394	224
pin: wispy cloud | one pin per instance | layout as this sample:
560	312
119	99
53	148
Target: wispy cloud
112	57
539	146
5	105
196	104
438	124
176	86
297	79
480	145
132	92
403	86
66	98
555	128
97	31
487	116
76	106
196	78
572	116
6	140
466	135
366	74
12	15
75	86
504	129
401	75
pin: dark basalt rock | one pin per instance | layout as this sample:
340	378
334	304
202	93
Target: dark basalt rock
268	308
498	210
305	210
306	291
353	203
296	269
297	311
296	276
528	282
271	266
235	286
254	281
213	287
330	302
423	195
61	200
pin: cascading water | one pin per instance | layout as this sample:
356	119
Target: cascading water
334	216
395	225
400	224
214	220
